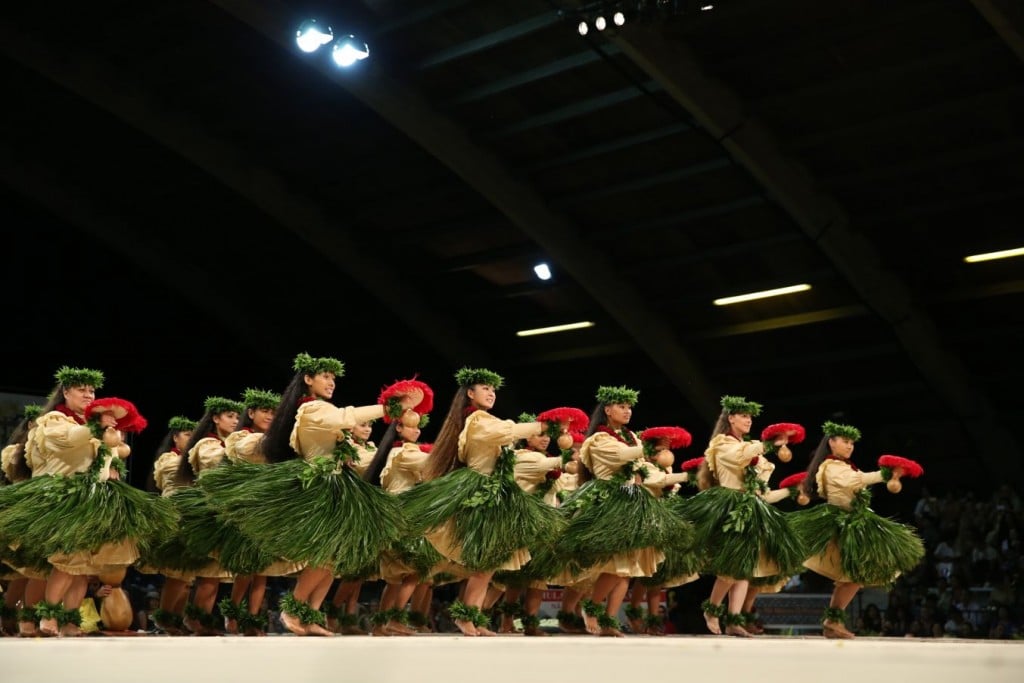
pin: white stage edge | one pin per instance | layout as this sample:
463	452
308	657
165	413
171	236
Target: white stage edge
509	659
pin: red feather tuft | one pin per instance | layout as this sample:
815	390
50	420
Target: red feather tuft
910	468
401	388
677	436
127	415
426	447
796	432
792	480
572	418
692	464
578	437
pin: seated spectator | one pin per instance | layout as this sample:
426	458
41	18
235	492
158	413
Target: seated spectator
1003	628
870	621
956	626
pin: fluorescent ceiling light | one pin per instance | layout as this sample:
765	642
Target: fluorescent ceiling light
554	328
760	295
543	271
993	255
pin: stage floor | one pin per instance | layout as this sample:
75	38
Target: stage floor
450	658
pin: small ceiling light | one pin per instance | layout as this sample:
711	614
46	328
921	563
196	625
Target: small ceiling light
554	328
993	255
760	295
706	8
600	23
350	50
543	271
311	35
618	18
583	28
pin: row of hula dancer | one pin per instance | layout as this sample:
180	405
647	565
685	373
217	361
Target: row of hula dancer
291	485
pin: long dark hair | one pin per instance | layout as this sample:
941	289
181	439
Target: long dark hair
165	445
380	458
598	418
810	483
706	478
444	454
185	475
275	444
18	464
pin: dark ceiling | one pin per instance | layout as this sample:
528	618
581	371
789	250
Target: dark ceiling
190	201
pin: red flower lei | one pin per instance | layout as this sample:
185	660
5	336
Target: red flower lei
63	408
627	437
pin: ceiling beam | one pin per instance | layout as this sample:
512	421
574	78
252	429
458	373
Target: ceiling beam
490	40
575	110
523	204
521	78
609	146
115	92
1007	19
721	112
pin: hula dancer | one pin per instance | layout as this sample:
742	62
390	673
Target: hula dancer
309	505
169	616
680	566
742	535
92	522
846	540
243	610
201	530
470	507
398	467
617	529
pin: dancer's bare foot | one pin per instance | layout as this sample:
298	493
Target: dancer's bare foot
70	631
231	626
591	624
381	630
611	632
467	627
637	625
27	629
534	631
293	624
317	630
400	629
352	630
484	631
508	625
48	628
836	629
737	630
711	621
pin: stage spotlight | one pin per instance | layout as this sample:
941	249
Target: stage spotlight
350	50
583	29
618	18
600	23
311	35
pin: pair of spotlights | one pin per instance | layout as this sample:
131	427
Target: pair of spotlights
348	50
600	23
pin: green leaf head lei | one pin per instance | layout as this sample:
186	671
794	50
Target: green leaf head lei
308	365
738	405
260	398
847	431
467	377
215	405
79	377
180	423
611	395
